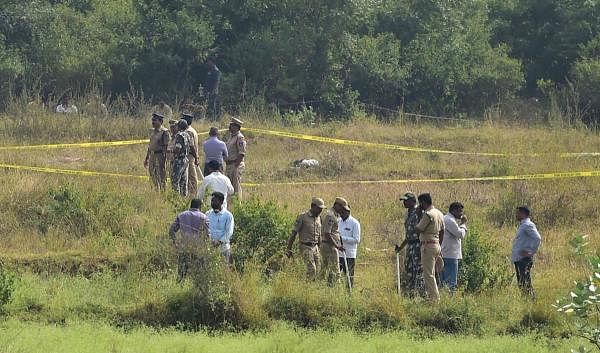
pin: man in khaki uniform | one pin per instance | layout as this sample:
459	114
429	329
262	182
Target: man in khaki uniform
431	230
308	229
193	172
236	150
331	241
156	155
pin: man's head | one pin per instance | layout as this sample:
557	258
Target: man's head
457	209
523	212
213	132
211	63
157	120
214	166
182	125
409	200
196	204
345	214
340	204
66	100
235	125
425	201
188	118
216	202
173	125
316	206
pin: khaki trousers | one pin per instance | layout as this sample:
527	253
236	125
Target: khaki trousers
331	263
235	175
192	178
312	259
157	170
429	255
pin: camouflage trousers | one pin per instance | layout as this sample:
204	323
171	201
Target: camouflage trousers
157	170
331	264
234	173
179	176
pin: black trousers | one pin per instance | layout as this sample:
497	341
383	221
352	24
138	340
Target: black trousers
351	263
523	270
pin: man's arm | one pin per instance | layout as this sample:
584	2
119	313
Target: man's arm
535	237
423	223
454	229
228	229
292	237
224	151
230	190
147	158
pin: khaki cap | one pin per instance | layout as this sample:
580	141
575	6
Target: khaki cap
342	202
236	121
318	202
408	196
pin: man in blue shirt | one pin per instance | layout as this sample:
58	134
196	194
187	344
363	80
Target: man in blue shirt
214	149
220	225
193	228
525	246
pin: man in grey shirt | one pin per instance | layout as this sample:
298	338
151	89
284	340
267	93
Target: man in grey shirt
214	149
525	246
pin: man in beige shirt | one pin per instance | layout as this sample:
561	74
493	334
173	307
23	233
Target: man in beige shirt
430	229
194	175
331	241
308	229
236	150
156	154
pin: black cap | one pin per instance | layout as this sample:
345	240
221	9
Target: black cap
187	117
156	116
214	165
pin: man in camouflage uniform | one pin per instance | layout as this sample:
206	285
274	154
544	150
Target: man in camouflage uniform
236	148
413	283
331	241
308	229
155	159
183	146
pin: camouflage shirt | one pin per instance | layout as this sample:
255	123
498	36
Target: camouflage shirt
183	143
412	219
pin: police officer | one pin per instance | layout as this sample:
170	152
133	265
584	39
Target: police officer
155	159
192	162
183	145
308	229
236	150
331	241
431	230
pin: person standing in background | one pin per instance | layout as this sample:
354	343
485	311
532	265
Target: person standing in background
525	245
414	284
430	229
193	175
349	228
214	149
236	150
455	230
155	159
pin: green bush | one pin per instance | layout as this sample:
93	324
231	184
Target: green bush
7	285
456	317
261	231
480	268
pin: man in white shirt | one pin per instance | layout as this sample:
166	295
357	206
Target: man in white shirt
220	225
349	229
66	108
215	182
455	230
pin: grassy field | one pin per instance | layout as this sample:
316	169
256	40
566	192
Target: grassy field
97	273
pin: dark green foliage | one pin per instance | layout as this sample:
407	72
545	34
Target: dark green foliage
7	285
456	317
261	231
482	268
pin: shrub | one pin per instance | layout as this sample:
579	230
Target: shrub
479	270
456	317
7	285
261	231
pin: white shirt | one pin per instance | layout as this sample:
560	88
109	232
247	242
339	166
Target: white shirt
453	236
216	182
66	109
350	233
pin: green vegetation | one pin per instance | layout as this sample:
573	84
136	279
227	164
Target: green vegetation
434	57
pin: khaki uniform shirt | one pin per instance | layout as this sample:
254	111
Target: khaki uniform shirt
159	140
194	137
331	234
236	146
430	225
308	228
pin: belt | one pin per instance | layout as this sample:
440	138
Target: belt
430	242
312	245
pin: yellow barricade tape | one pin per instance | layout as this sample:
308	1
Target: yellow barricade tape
558	175
404	148
75	145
